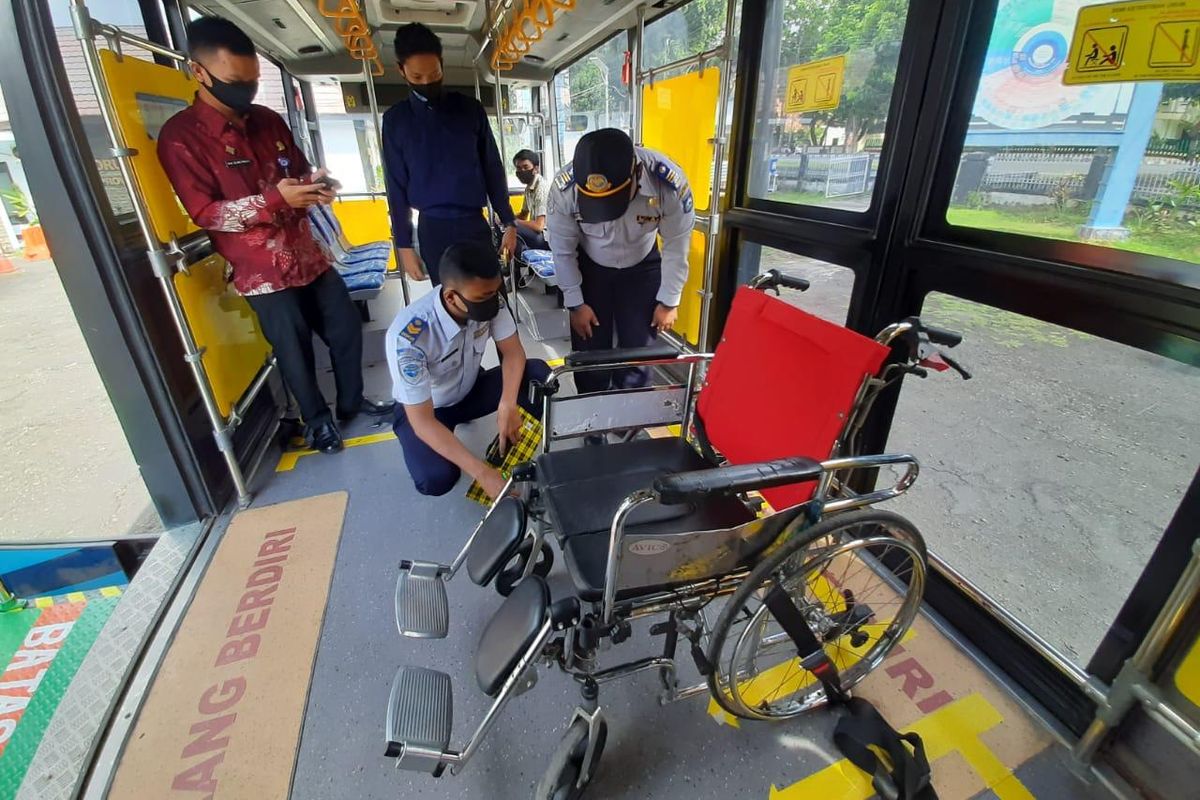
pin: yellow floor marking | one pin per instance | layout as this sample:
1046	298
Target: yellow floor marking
287	461
76	597
110	591
955	727
44	602
787	678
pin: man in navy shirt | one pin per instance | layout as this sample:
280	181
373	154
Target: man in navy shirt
440	158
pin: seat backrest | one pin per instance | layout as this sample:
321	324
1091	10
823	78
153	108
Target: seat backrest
320	225
782	383
333	224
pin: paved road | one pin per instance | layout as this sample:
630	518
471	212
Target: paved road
67	472
1049	477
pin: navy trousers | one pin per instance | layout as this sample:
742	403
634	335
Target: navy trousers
624	301
435	234
434	475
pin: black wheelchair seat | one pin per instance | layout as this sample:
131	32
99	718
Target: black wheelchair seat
510	632
584	487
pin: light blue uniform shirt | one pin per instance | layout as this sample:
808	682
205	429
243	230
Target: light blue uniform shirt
433	357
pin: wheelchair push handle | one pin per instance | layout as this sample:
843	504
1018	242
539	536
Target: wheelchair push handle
940	336
772	279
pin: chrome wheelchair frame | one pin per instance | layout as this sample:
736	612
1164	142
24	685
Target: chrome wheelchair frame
570	633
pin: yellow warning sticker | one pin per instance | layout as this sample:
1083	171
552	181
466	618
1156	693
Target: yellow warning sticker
815	85
1151	40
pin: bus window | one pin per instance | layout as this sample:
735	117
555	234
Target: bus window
812	144
589	95
1048	479
348	139
1111	164
695	28
522	130
832	284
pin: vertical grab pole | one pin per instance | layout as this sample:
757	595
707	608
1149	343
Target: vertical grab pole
512	267
635	77
163	263
717	198
369	79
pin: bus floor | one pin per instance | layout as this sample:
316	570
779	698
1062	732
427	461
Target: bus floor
984	738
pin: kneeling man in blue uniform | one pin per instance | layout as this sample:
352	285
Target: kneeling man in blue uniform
436	346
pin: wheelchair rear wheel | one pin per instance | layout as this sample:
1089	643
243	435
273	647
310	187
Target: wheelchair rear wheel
561	781
857	578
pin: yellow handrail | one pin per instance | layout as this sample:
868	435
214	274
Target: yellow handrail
528	25
356	34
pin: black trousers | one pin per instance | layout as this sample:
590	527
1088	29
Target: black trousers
532	239
435	234
624	301
434	475
290	317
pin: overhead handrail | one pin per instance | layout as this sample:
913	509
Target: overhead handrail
529	23
351	25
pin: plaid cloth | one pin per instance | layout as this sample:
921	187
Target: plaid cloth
518	453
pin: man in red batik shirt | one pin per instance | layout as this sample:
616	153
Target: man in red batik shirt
239	173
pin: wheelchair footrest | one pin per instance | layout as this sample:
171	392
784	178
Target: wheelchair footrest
422	610
420	714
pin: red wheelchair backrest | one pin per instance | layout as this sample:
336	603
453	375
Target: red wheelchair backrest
782	383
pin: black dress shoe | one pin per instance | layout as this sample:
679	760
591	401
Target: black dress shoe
595	440
369	407
325	437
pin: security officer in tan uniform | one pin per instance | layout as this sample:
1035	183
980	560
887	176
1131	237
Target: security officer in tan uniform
605	215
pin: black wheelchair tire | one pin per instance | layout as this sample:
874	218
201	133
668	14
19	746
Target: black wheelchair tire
765	568
510	576
558	782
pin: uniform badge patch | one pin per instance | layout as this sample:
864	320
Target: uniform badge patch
413	329
565	177
413	370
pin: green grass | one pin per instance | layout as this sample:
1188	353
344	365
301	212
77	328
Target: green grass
1182	244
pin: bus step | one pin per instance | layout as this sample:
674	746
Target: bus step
422	611
420	714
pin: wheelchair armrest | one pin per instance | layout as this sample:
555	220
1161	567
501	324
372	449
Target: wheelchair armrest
593	358
684	486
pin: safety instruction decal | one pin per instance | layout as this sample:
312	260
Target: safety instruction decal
1151	40
815	85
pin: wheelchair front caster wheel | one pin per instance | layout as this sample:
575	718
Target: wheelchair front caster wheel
567	777
510	576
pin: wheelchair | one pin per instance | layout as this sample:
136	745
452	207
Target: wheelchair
782	582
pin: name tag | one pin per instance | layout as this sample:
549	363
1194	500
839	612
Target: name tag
238	162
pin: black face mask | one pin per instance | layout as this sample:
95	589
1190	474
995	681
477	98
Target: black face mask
482	311
238	95
429	92
525	176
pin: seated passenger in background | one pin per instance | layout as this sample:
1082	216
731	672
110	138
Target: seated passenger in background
435	347
531	222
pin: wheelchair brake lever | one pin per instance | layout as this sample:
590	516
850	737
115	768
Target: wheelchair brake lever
956	366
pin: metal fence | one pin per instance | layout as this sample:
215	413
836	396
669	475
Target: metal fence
1068	174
